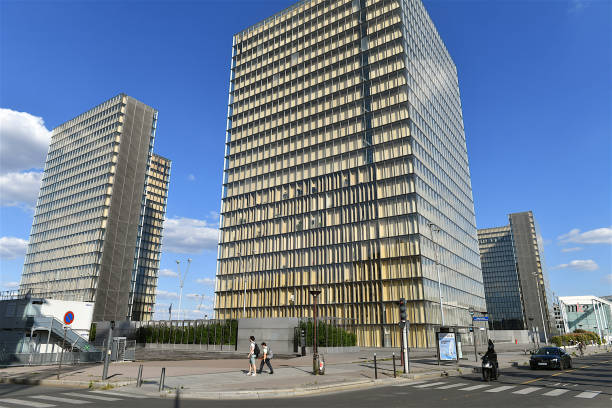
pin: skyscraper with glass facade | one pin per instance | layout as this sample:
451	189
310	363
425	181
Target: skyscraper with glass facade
93	237
144	275
517	291
346	169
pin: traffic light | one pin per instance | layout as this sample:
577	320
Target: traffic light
402	309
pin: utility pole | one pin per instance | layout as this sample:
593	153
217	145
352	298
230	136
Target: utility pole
107	354
471	310
433	227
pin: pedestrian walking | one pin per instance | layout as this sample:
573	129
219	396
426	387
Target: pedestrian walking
265	358
253	354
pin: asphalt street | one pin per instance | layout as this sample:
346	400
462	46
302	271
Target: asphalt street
587	384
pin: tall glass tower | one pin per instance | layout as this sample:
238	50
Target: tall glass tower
94	237
346	169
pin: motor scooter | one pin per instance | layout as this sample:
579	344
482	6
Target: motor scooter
489	369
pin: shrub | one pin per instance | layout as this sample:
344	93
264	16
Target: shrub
575	337
328	335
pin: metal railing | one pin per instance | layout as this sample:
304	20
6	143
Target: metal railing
36	359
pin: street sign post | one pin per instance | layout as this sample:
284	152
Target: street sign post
480	318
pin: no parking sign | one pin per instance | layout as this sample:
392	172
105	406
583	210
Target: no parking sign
69	317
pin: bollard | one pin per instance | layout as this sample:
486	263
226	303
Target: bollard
162	378
139	380
394	372
375	367
177	400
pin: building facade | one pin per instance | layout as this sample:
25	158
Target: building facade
501	281
145	273
86	235
346	170
589	313
518	293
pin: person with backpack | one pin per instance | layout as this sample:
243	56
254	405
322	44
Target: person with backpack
265	358
253	354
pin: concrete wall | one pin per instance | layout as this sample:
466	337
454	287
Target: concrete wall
510	336
276	332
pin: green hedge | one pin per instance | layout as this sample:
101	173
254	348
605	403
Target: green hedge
328	335
211	333
577	336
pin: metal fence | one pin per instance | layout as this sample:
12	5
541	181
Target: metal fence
215	334
35	359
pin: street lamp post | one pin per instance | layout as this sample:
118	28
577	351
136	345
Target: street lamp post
471	310
433	227
535	274
315	355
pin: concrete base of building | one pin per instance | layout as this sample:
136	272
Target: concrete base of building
510	336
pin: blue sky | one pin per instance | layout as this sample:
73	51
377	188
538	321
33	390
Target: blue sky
536	86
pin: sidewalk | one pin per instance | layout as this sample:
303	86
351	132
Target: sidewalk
226	378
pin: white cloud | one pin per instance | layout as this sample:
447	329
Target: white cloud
576	6
168	272
596	236
188	235
206	281
164	294
10	285
20	189
579	265
24	141
191	177
573	249
11	247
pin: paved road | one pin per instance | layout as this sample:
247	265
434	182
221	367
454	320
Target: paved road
588	384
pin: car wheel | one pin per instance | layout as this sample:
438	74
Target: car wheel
569	364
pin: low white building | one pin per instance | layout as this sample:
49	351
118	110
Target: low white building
589	312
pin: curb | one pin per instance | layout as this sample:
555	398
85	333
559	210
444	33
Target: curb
67	383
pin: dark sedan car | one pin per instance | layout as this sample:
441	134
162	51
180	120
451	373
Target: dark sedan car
550	357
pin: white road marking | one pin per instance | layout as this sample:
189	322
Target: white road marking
445	387
27	403
474	387
409	383
527	390
588	394
555	393
88	395
430	384
120	394
500	389
58	399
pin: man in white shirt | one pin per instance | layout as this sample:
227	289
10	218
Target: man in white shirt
252	356
266	356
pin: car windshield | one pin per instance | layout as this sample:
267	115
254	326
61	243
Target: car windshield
548	351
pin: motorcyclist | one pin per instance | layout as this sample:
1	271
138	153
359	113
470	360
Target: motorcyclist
491	355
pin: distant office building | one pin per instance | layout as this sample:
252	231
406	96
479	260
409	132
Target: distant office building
98	218
517	291
560	317
590	313
346	170
144	281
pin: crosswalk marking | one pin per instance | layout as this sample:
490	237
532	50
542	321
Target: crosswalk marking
555	393
88	395
27	403
446	387
527	390
58	399
429	384
473	387
120	394
500	389
588	394
409	383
